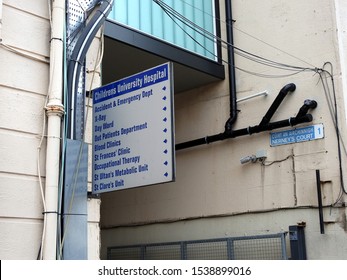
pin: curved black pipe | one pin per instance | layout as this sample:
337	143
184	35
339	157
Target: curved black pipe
278	124
308	104
300	118
281	95
231	67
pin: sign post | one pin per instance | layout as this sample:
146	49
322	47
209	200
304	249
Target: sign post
133	131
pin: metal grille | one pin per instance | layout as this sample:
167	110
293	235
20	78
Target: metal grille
258	248
76	15
163	252
207	250
77	11
262	247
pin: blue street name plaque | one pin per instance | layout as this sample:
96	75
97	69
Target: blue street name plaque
301	134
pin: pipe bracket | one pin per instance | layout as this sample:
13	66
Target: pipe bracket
290	121
55	109
249	130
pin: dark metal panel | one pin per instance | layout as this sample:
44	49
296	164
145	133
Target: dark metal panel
75	201
297	242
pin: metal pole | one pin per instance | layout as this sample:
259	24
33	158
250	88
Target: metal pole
320	206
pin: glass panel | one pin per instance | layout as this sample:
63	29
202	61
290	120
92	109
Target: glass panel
147	16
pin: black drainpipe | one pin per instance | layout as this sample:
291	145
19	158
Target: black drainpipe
276	103
231	68
264	125
232	88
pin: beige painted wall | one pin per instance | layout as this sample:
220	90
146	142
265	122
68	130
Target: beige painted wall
93	80
23	86
24	82
319	246
211	182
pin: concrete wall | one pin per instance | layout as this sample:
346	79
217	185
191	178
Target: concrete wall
213	189
24	78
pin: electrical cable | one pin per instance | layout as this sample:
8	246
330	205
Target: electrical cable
40	181
43	135
281	66
79	3
268	163
77	167
332	104
274	47
269	76
78	56
101	55
258	59
174	15
49	2
63	149
253	57
98	61
232	214
240	53
24	54
246	33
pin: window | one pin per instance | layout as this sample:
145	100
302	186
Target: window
174	21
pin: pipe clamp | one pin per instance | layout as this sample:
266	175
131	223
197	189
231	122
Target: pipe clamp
55	109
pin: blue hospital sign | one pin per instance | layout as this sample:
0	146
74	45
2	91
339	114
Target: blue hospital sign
297	135
133	133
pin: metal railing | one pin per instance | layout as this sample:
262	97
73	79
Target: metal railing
261	247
